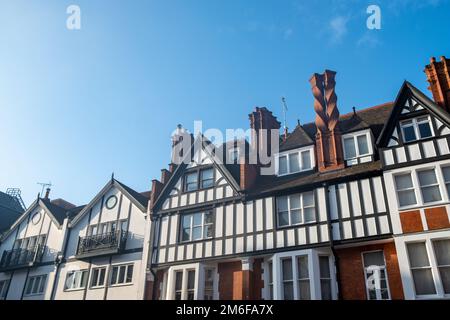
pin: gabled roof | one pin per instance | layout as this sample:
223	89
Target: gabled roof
10	211
56	213
229	171
138	199
372	118
407	90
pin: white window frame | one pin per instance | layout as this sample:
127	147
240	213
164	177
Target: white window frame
301	208
79	284
199	282
354	136
191	227
119	266
105	278
299	152
313	269
415	125
40	278
377	292
417	188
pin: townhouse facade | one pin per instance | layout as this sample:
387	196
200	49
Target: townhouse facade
57	251
356	207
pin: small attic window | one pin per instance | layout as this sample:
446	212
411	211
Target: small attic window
357	146
416	129
199	179
295	161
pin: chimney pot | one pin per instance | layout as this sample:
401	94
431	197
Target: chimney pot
47	193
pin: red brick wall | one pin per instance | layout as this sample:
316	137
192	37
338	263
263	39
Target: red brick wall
352	272
258	283
437	218
411	221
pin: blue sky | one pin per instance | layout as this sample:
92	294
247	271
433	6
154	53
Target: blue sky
78	105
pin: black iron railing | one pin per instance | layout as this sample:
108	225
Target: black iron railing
18	258
100	242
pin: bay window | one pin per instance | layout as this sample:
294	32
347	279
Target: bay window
196	226
304	290
296	209
416	129
288	280
295	161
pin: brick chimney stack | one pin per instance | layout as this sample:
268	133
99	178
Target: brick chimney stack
328	137
438	76
262	121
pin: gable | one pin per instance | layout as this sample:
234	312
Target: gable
411	103
224	185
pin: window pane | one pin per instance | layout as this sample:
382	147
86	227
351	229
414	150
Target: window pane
287	268
196	233
294	164
191	280
114	275
304	290
427	177
101	280
446	172
296	216
186	234
36	285
308	199
406	198
208	217
29	286
129	274
324	265
270	272
191	181
423	281
178	280
373	259
409	134
442	252
208	231
283	218
362	144
306	160
424	129
325	287
431	194
282	204
207	178
302	266
294	202
445	277
94	277
198	217
403	181
282	165
288	290
349	146
42	284
121	274
310	214
418	256
186	221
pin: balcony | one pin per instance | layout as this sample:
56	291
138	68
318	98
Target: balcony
21	258
101	244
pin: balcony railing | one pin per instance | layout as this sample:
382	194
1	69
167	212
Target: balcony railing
101	244
21	258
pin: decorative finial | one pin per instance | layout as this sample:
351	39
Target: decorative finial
354	111
112	176
298	122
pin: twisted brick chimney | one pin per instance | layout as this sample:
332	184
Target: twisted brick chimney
328	137
438	75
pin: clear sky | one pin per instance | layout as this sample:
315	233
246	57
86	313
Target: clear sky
76	105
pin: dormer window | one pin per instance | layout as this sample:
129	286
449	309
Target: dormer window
357	147
416	129
199	179
295	161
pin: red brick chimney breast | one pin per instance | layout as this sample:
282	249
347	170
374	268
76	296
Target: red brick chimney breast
438	76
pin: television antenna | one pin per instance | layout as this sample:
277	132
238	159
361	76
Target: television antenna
44	185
